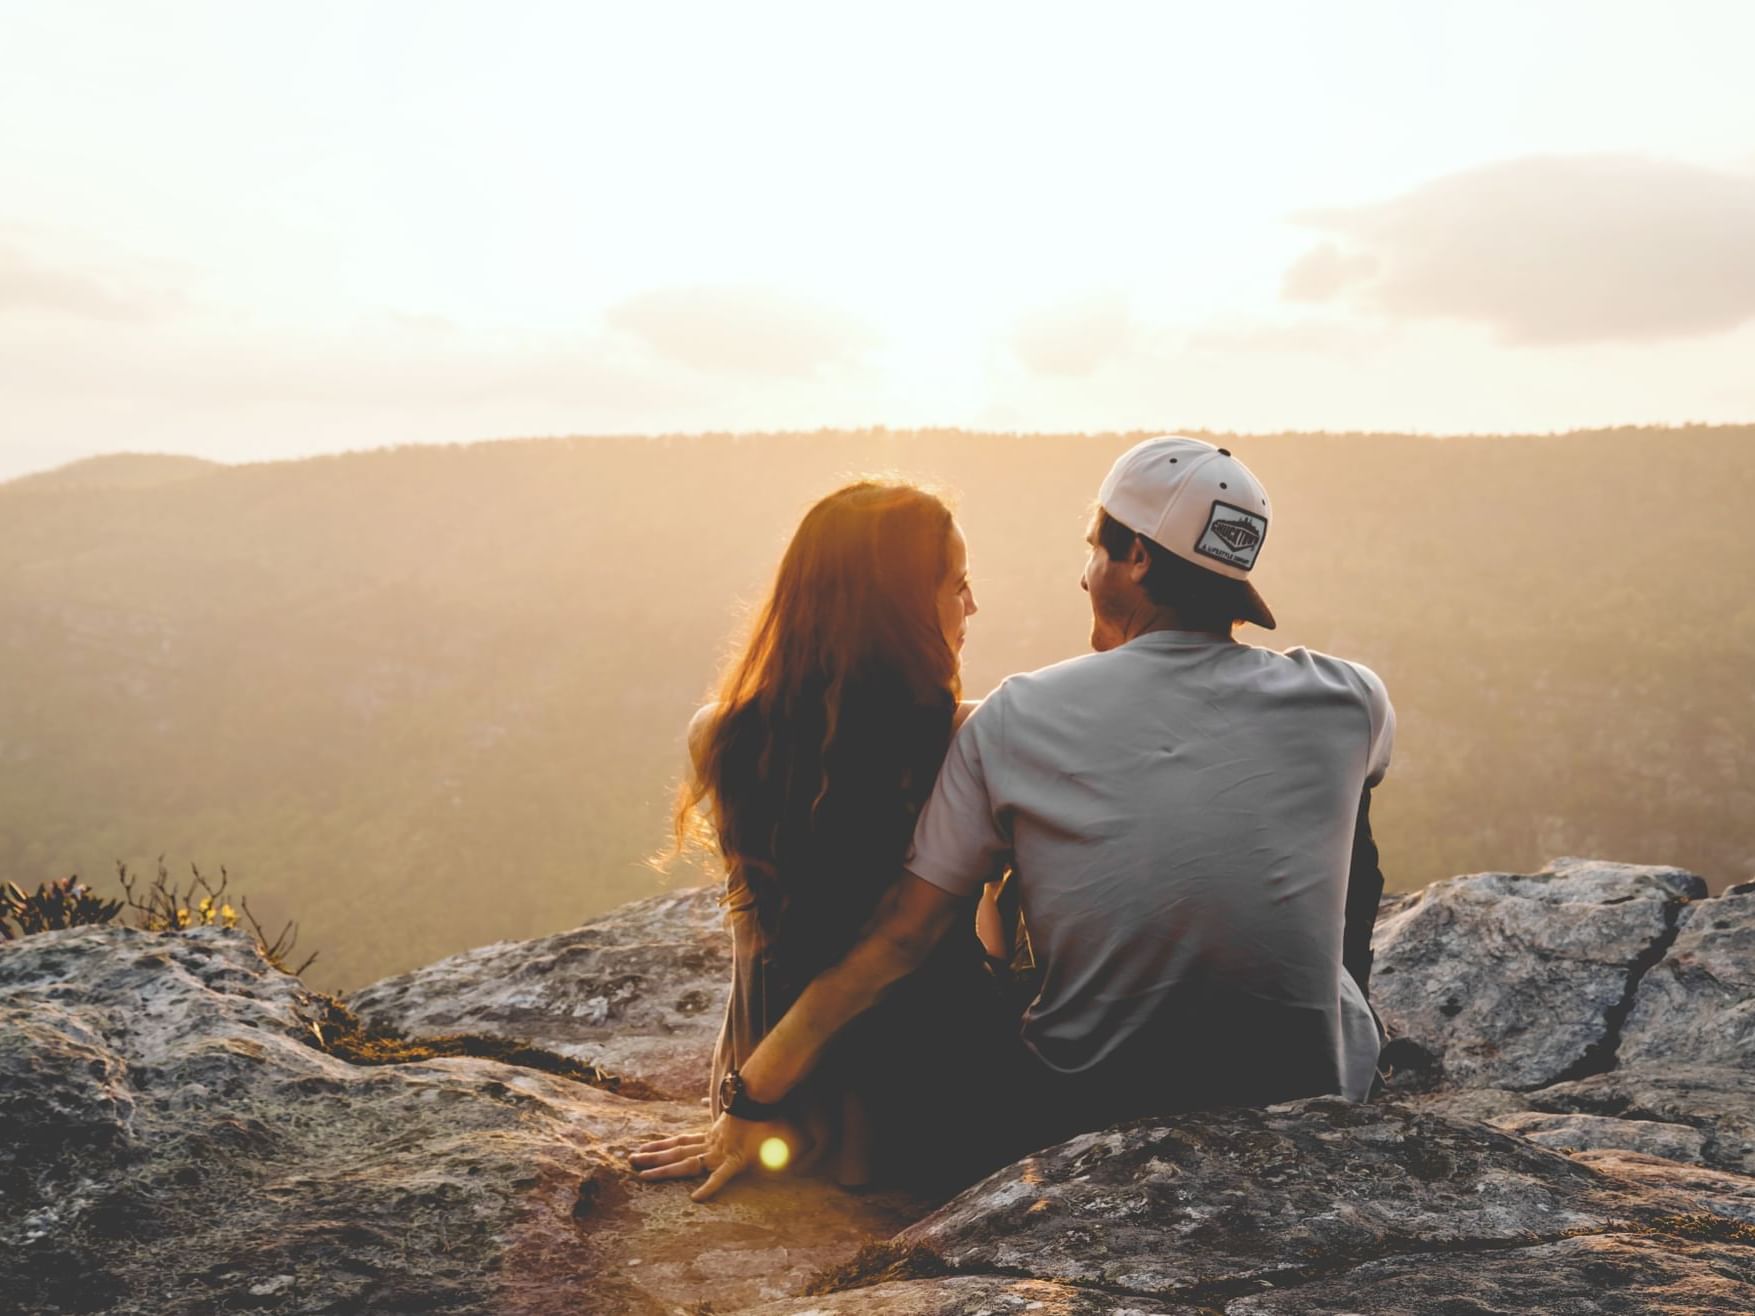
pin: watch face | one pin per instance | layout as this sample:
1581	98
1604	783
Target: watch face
729	1087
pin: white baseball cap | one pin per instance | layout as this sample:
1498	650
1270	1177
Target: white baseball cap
1200	503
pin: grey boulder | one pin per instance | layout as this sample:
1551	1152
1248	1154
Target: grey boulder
176	1136
639	991
1696	1007
1517	981
1199	1205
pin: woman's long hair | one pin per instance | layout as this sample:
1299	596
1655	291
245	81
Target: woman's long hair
831	724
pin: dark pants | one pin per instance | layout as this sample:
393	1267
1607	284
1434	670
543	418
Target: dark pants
1200	1053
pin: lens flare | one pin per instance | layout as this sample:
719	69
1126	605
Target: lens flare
775	1153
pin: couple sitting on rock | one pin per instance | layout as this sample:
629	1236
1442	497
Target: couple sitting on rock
1162	846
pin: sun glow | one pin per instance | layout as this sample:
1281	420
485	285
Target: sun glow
583	219
775	1154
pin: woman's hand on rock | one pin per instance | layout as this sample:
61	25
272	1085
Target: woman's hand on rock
724	1152
670	1158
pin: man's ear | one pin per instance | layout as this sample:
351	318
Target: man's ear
1139	560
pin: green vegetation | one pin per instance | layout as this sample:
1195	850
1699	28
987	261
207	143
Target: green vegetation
432	697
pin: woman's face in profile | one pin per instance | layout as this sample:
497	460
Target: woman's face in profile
956	599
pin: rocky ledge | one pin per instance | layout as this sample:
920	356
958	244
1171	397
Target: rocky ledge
1568	1126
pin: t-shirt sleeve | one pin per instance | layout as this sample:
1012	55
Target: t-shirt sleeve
959	843
1382	714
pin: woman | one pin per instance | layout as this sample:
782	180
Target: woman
812	764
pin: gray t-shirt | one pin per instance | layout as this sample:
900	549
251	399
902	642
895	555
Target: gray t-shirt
1179	812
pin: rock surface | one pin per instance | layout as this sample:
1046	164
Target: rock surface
1728	1195
174	1138
1610	1275
1588	1132
1696	1006
1720	1103
178	1133
969	1295
1208	1203
640	991
1500	980
1717	1104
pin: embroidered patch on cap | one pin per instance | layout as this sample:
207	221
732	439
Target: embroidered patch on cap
1232	536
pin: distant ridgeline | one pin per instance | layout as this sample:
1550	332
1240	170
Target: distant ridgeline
426	698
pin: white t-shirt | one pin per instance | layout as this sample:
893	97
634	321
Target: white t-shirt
1179	812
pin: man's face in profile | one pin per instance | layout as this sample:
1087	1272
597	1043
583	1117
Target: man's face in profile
1105	582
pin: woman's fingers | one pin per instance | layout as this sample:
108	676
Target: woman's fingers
652	1160
671	1155
689	1167
728	1170
721	1154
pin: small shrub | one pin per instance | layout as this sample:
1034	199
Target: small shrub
67	903
161	906
167	906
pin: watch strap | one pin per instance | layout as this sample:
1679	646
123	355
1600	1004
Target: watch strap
737	1102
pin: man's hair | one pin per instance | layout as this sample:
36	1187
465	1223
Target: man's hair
1204	600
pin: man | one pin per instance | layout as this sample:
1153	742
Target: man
1179	810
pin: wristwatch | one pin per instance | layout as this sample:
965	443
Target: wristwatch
734	1100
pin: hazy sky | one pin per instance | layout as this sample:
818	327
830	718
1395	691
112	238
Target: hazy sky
249	230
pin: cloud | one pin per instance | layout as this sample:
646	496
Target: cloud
382	366
1075	336
1304	337
1550	249
30	285
737	328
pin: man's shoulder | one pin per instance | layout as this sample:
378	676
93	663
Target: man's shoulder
1317	660
1023	696
1330	670
1050	688
1055	680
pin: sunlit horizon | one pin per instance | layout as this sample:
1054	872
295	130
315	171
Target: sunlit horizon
265	232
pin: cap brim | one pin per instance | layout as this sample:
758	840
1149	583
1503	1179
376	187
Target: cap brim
1257	610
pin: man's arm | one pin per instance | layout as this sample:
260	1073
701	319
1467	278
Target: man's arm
959	844
1364	892
909	922
912	918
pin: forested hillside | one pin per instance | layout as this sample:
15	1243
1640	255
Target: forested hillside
430	697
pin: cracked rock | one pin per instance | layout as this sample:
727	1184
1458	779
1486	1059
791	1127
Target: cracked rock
1203	1203
1608	1275
969	1295
1719	1103
1728	1195
1696	1007
173	1136
1570	1133
635	991
1700	1115
1503	981
172	1139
